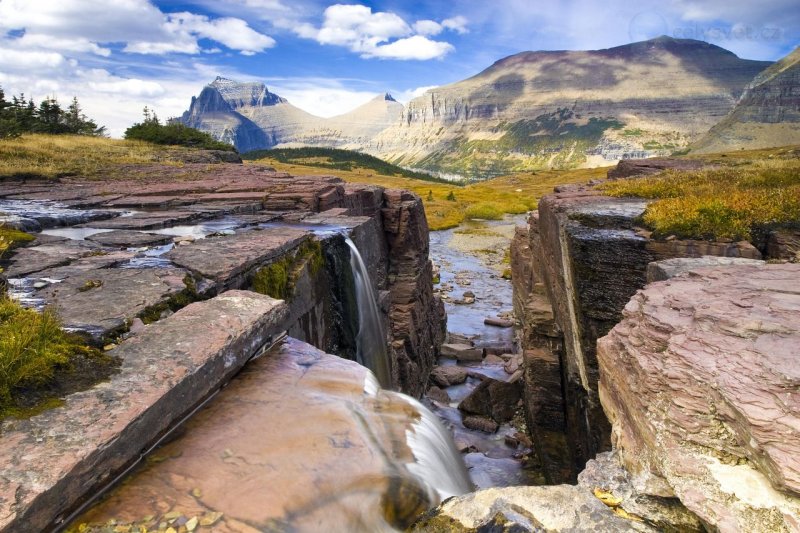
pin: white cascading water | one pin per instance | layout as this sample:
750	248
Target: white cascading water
437	465
371	339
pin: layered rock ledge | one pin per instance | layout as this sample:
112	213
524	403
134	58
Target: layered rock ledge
575	266
701	383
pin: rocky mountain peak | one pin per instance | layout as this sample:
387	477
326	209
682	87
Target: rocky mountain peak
240	94
388	97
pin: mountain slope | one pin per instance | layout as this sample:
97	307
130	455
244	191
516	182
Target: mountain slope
767	115
567	109
248	116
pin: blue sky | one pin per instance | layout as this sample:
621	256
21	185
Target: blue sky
119	55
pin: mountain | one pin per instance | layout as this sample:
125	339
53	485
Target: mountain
569	109
532	110
767	115
250	117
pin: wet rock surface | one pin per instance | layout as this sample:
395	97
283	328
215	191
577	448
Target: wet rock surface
343	468
221	223
700	382
50	461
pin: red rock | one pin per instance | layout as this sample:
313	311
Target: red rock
480	423
702	385
448	375
498	322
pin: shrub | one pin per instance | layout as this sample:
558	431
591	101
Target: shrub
173	133
32	347
720	203
485	211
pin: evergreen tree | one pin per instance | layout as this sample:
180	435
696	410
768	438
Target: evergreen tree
21	115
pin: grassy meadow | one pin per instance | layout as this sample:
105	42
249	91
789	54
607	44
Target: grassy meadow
741	193
448	204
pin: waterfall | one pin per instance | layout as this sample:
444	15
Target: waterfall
371	340
437	461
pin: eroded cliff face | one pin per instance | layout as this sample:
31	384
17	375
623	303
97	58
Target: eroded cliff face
575	267
565	109
767	115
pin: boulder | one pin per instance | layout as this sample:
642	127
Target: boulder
462	352
498	322
493	398
480	423
701	383
445	376
523	509
439	395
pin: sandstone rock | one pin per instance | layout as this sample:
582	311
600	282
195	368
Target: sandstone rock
439	395
124	239
669	268
784	244
700	381
457	338
448	375
497	399
480	423
492	359
166	369
462	352
645	167
605	473
498	322
526	509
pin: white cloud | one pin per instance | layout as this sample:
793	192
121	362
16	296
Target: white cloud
457	24
428	27
82	26
13	59
380	35
416	47
232	32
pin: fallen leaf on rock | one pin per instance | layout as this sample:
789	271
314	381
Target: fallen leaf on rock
607	498
197	493
209	519
192	523
622	513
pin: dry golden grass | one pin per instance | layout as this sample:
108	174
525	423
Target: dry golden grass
517	193
52	156
744	192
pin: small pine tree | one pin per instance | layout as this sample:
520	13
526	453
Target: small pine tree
451	196
430	195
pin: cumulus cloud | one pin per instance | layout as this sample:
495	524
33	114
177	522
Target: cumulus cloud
83	26
379	34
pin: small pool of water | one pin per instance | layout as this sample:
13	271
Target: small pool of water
201	230
152	257
23	290
76	234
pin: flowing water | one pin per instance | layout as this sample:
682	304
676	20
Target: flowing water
371	340
298	441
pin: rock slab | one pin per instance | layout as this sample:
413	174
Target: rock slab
50	462
702	385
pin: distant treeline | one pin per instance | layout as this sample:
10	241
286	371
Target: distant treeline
20	115
173	133
337	159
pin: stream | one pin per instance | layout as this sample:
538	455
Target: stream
471	259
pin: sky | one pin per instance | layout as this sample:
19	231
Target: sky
118	56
